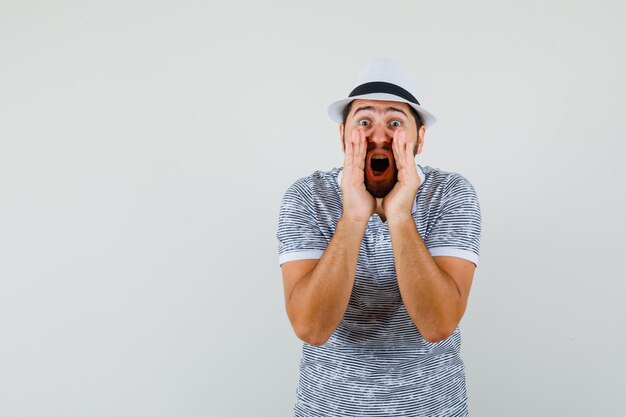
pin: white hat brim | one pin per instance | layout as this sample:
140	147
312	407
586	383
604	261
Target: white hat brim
335	110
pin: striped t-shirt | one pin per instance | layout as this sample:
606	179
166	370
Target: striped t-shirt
376	363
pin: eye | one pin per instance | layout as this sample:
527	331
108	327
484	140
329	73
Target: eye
395	123
364	122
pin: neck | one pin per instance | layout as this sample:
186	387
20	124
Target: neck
379	209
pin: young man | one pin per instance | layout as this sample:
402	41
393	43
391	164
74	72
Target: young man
377	261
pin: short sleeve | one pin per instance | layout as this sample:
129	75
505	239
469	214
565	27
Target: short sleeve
457	228
299	235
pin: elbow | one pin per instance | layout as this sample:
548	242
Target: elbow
310	335
435	337
438	334
314	341
439	328
309	331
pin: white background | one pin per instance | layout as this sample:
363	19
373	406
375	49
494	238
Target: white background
145	147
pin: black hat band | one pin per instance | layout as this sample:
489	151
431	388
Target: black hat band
383	87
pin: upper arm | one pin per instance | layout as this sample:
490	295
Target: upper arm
461	271
300	240
293	272
454	239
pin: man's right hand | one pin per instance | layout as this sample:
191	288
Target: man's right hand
358	203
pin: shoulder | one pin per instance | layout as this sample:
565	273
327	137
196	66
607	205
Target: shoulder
319	185
446	183
318	181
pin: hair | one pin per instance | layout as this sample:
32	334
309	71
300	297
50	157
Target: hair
346	112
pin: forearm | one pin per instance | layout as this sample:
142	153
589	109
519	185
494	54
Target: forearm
430	295
320	299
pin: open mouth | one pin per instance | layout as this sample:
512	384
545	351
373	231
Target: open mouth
379	164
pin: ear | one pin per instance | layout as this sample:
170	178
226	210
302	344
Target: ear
343	144
420	139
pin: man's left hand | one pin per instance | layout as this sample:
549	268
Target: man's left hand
399	202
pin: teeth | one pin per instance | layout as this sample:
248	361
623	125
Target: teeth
379	157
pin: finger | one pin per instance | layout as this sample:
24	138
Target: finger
347	158
406	148
408	151
398	147
362	149
356	142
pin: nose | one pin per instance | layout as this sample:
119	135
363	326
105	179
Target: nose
379	134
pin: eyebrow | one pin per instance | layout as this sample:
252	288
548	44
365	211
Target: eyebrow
364	108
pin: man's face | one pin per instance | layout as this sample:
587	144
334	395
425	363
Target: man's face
378	120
